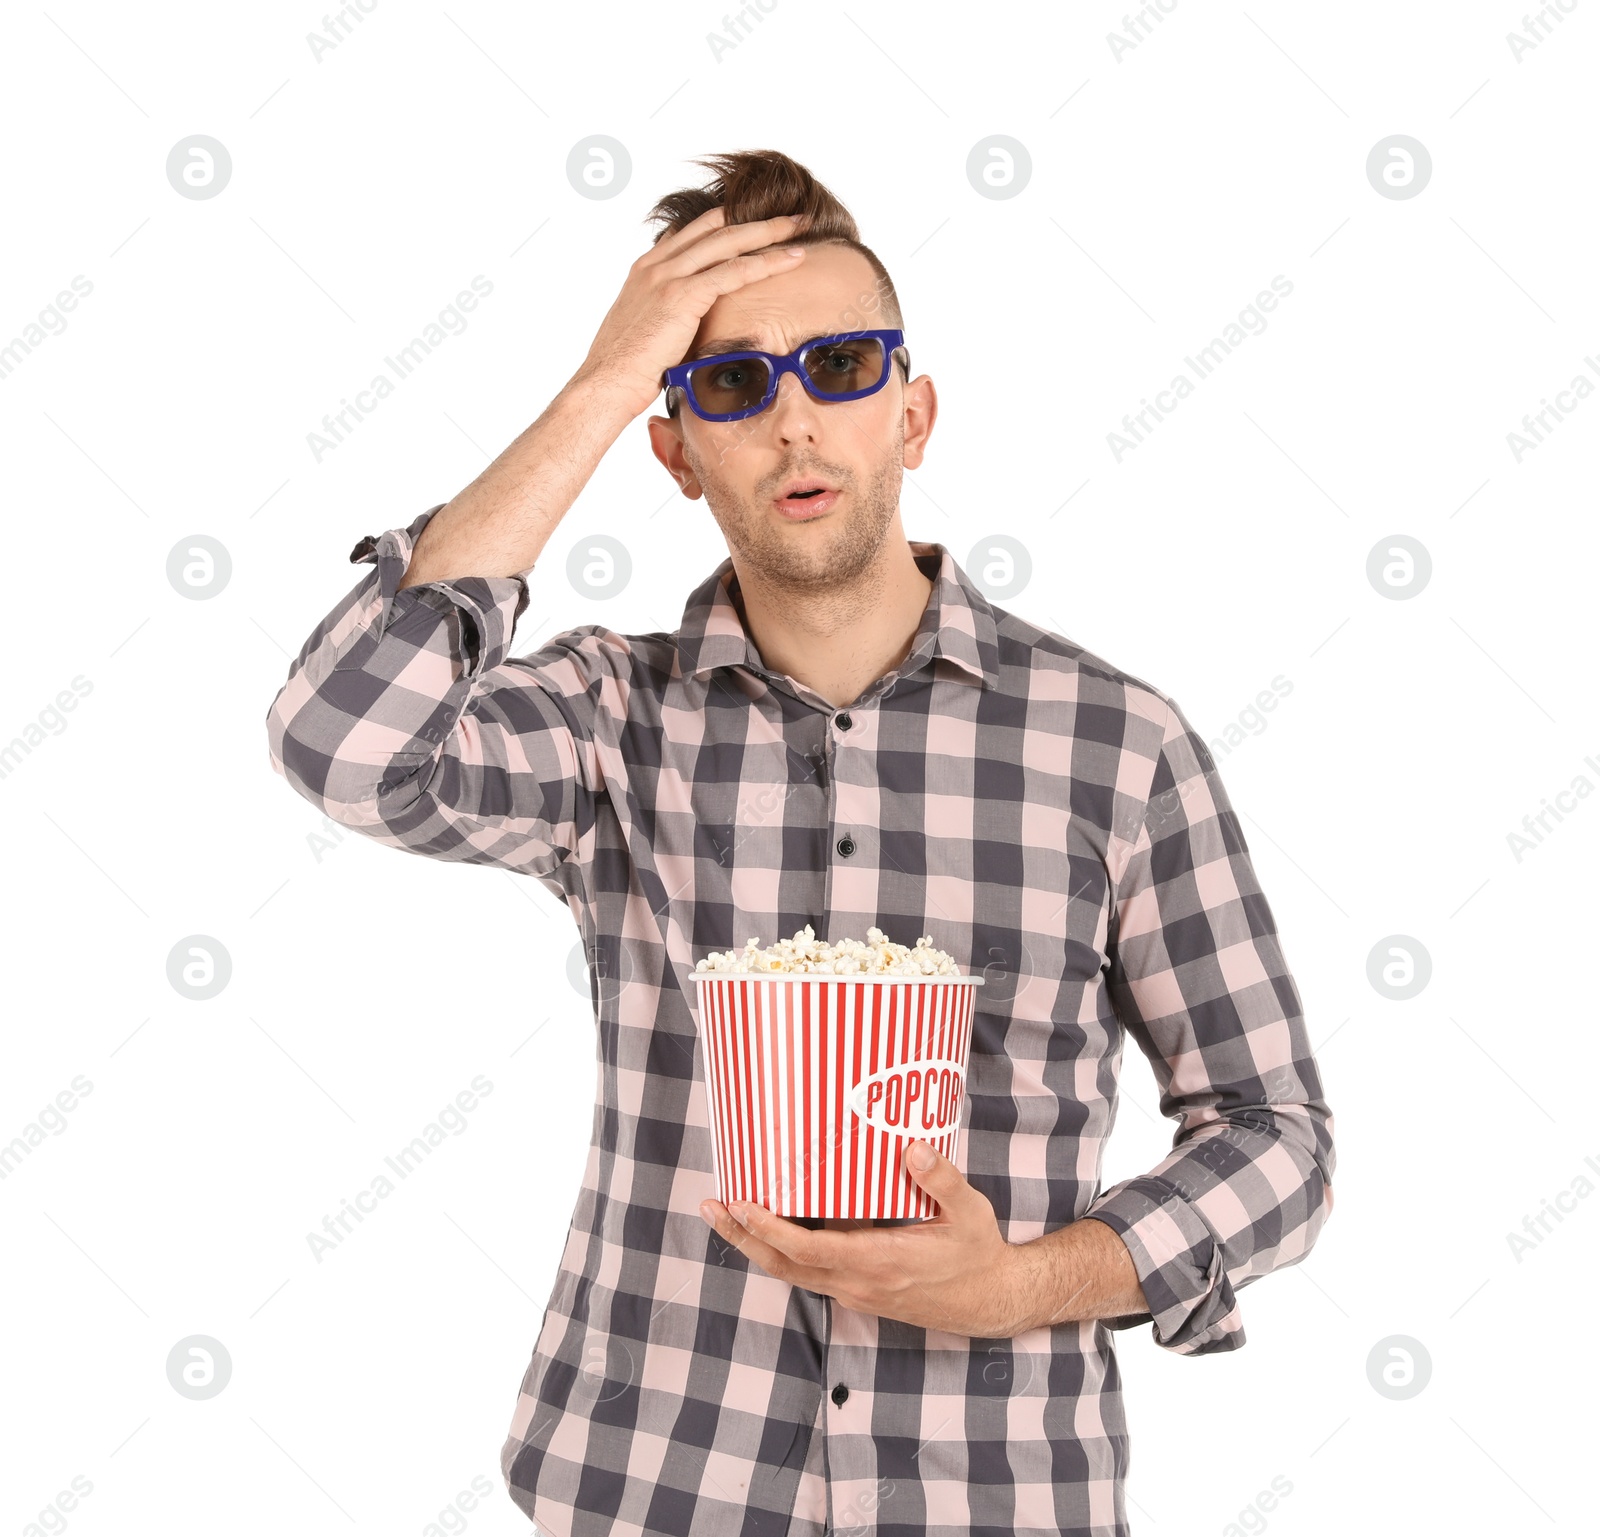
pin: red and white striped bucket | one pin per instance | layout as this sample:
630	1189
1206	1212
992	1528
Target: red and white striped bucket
816	1084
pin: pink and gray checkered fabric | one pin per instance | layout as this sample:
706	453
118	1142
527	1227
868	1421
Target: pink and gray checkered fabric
1054	823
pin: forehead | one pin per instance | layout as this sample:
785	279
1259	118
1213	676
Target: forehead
832	289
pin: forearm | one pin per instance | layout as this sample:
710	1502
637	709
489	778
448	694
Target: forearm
1079	1271
500	524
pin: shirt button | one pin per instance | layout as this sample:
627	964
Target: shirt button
840	1393
846	846
843	721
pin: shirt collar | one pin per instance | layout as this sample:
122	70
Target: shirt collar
957	623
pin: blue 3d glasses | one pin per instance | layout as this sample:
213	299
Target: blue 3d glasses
734	385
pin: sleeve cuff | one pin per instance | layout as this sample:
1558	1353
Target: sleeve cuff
1179	1264
491	605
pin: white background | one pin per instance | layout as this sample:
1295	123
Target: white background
1168	186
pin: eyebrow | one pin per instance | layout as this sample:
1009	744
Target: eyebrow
739	344
726	344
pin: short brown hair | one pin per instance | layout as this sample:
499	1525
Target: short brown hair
756	184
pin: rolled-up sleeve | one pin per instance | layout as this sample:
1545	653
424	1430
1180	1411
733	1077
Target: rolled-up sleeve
403	719
1198	978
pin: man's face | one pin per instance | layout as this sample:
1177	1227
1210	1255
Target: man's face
858	447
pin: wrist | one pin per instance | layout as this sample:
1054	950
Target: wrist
607	397
1025	1286
1073	1274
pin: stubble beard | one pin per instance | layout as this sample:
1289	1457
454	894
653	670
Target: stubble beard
795	558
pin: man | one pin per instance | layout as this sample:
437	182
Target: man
844	732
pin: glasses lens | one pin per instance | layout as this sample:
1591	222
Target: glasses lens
843	368
735	384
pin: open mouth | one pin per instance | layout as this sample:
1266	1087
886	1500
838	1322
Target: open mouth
807	504
805	497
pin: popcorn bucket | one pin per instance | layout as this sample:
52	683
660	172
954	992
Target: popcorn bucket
816	1083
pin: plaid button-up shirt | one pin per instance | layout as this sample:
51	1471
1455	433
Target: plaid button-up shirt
1055	824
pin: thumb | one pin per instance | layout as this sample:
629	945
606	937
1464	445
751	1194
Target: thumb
940	1178
944	1182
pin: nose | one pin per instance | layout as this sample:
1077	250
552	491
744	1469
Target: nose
794	413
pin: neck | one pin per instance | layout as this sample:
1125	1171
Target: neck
839	644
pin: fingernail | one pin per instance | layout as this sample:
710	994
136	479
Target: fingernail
794	250
741	1213
920	1157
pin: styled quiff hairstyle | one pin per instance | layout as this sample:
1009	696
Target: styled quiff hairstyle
756	184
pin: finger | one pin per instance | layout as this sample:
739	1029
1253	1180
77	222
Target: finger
769	1230
725	245
778	1246
705	288
770	1259
945	1183
728	239
691	232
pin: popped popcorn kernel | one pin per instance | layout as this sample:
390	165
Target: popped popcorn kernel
877	956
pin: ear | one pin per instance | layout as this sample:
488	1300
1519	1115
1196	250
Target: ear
921	410
666	442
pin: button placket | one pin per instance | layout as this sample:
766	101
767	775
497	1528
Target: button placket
846	846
